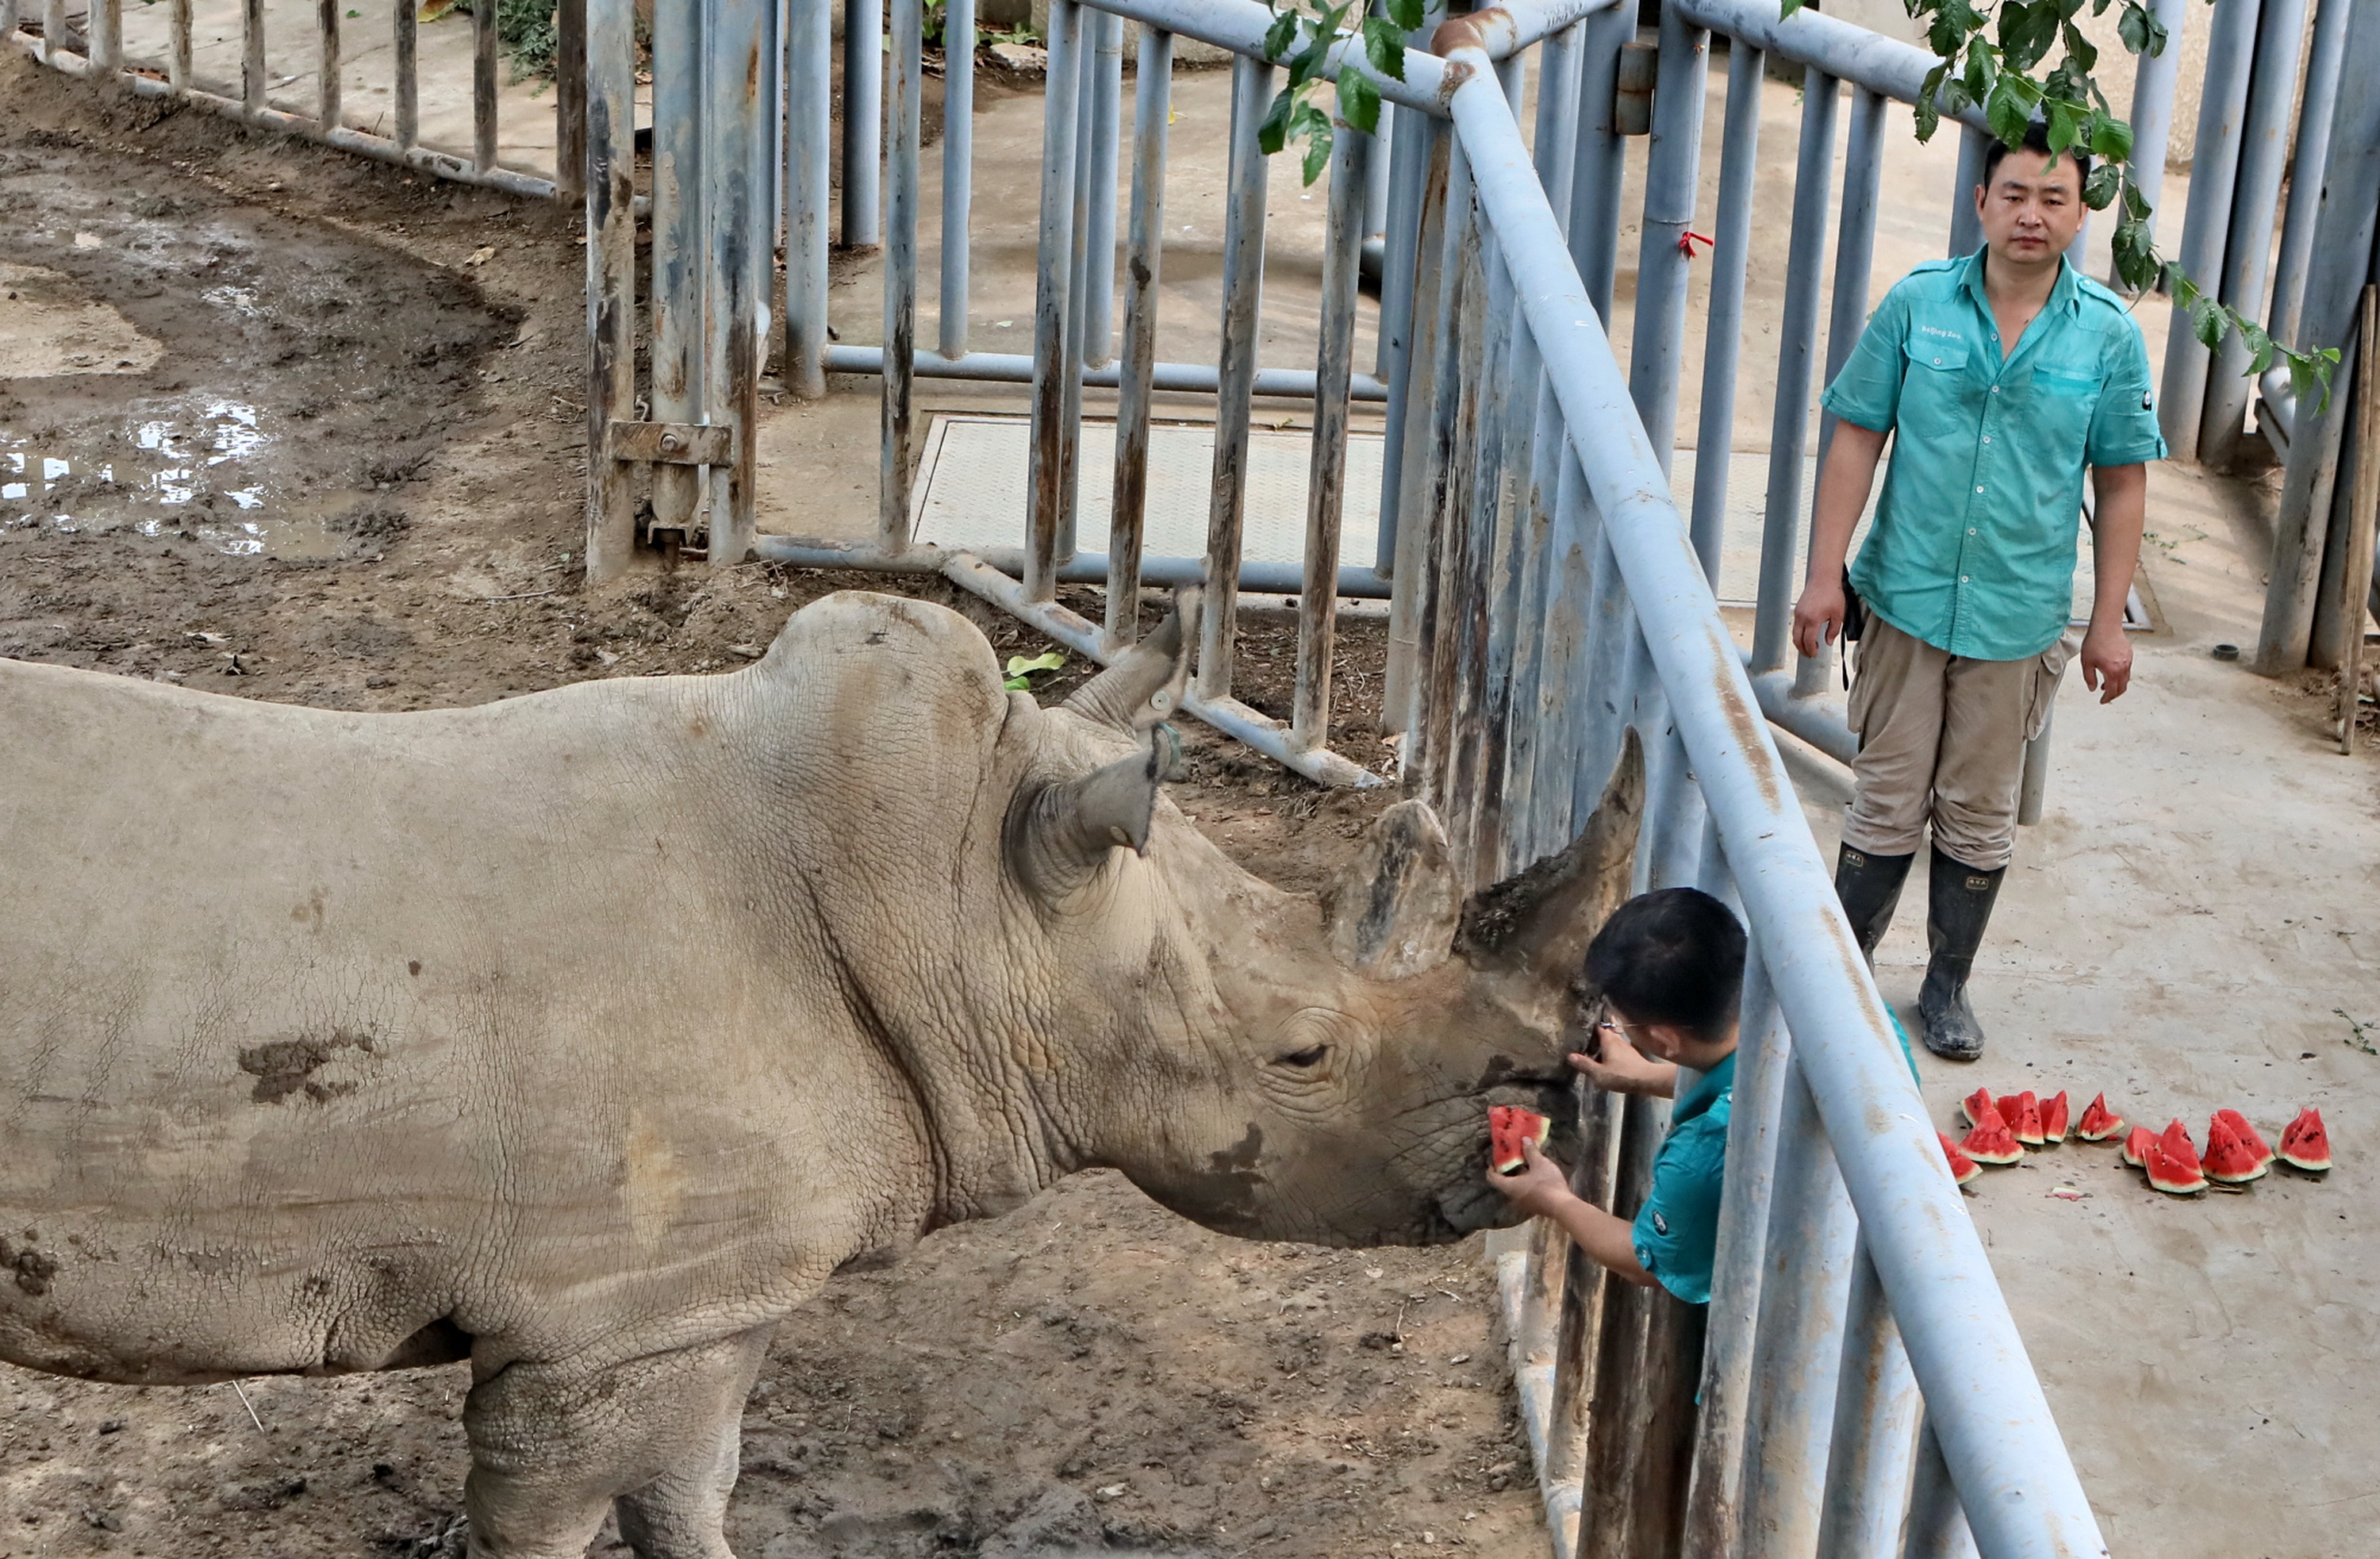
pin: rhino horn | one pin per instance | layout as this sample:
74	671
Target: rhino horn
1540	920
1145	685
1059	833
1393	911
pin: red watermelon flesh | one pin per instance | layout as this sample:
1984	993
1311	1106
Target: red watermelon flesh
2230	1159
2099	1122
1992	1141
2023	1117
1962	1168
2305	1145
1973	1106
1509	1125
2136	1147
2172	1163
2239	1123
2056	1117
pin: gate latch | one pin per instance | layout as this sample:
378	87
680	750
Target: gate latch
673	444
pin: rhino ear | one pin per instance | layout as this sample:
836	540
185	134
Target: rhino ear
1145	685
1540	921
1392	912
1057	834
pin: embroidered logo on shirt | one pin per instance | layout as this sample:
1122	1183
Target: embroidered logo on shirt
1660	1224
1938	330
2144	402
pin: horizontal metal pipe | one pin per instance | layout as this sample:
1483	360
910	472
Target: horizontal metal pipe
1355	583
1014	368
1504	31
1818	722
1228	715
378	148
2012	1470
1841	49
1240	25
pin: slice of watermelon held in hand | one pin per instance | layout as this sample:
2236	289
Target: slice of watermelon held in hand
1509	1125
2136	1147
2099	1123
2306	1145
1962	1168
2055	1119
2233	1156
2172	1163
1992	1141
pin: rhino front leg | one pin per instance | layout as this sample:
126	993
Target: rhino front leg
553	1447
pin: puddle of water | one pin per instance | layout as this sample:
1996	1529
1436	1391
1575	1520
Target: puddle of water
177	477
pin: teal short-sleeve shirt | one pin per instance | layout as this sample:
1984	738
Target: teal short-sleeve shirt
1973	548
1676	1233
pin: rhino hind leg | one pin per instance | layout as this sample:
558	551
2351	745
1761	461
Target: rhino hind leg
553	1447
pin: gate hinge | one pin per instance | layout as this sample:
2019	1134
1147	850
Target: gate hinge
673	444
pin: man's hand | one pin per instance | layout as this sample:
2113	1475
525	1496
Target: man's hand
1538	1189
1819	615
2107	661
1624	1069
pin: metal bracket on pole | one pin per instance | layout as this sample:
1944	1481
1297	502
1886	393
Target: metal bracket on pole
672	443
1631	92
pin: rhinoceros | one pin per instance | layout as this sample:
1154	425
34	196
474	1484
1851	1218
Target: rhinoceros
584	1034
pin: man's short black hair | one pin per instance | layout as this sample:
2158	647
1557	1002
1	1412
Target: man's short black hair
2037	139
1673	955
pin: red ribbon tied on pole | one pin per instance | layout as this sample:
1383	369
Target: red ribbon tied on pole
1688	239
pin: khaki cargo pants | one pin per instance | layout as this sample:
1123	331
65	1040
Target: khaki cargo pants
1942	741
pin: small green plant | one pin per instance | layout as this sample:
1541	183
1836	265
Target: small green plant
1020	670
2358	1034
525	29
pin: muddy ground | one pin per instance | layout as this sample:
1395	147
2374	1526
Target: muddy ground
322	446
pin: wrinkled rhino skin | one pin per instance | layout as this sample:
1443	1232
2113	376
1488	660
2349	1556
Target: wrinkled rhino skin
584	1034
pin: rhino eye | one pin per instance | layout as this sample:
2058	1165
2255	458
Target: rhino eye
1310	1057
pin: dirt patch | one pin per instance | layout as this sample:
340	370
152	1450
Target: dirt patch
1089	1372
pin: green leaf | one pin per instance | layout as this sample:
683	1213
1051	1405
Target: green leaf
1273	134
2064	129
1020	670
1282	36
1929	119
2081	50
1318	136
1384	45
1359	101
1785	8
2006	113
2100	189
2308	370
2110	138
2261	347
1407	14
2207	321
2136	205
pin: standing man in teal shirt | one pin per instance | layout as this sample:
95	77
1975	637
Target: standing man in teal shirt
2000	378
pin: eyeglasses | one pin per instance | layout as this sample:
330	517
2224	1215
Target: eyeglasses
1617	1028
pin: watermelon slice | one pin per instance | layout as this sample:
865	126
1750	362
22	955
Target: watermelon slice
1962	1168
2305	1145
2056	1115
2230	1160
2172	1163
2099	1123
1509	1125
1971	1107
1992	1141
2239	1123
2023	1117
2136	1147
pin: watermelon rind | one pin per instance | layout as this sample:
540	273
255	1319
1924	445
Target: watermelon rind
2174	1176
1991	1141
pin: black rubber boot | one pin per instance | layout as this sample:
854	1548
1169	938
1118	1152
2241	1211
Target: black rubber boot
1960	908
1869	886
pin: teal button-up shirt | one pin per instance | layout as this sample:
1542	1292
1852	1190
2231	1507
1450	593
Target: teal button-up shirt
1973	545
1676	1233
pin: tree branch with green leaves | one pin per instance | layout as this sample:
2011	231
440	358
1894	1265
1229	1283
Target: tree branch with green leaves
1303	40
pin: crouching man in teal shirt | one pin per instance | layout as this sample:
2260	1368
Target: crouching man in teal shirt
1671	966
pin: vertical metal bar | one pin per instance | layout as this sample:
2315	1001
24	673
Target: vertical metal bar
1152	107
1847	315
1087	27
900	278
958	170
863	115
1797	341
177	65
1595	168
1414	402
2248	252
1966	222
1763	1050
1376	183
1480	647
1937	1527
2153	85
1618	1413
483	87
1671	184
1244	226
54	29
1334	364
106	21
1099	240
251	53
738	173
1578	1332
681	240
2214	171
610	64
809	133
1803	1290
1052	280
1730	259
1876	1425
1410	157
2312	152
1552	717
409	81
1442	530
570	99
326	89
1553	151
